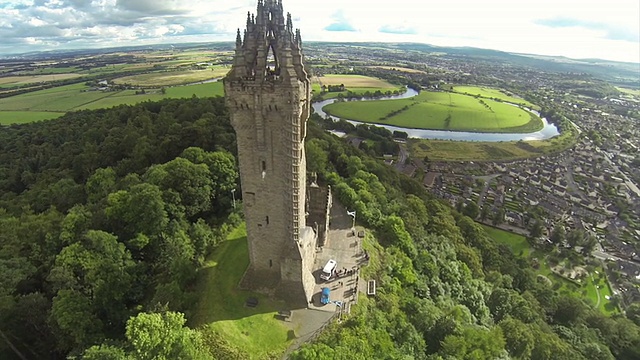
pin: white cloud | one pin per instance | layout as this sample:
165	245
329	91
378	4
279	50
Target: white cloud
594	29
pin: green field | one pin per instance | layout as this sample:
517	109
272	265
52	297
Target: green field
33	106
21	117
490	93
170	78
221	308
358	84
440	111
594	288
517	243
443	150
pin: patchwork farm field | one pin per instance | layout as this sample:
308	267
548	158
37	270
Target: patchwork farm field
10	81
440	111
51	103
358	81
173	77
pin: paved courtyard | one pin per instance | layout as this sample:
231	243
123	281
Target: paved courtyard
344	246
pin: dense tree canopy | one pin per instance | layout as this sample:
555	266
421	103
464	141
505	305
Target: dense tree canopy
106	215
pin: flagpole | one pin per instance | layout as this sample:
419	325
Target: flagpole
353	216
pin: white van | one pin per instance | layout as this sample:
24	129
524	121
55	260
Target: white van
328	270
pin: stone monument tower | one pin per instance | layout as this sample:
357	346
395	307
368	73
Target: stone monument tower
268	95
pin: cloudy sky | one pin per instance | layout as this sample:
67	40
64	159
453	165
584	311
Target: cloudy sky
606	29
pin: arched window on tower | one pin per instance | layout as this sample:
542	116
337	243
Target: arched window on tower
273	68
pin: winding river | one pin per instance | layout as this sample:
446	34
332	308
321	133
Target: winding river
547	132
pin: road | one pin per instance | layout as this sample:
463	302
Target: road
403	154
568	163
487	179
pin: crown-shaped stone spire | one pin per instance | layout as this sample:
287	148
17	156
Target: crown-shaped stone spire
270	49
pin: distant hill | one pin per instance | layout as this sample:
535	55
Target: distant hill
618	73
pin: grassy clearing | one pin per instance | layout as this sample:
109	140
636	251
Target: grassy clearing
517	243
21	117
594	288
221	306
173	77
75	97
491	93
440	111
444	150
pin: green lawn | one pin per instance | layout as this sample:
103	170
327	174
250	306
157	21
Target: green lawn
517	243
440	111
221	309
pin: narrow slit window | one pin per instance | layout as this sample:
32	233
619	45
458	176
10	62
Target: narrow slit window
264	165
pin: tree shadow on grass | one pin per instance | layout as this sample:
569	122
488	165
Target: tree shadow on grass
219	296
222	311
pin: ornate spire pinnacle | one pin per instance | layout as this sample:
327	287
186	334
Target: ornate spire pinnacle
238	40
289	23
298	38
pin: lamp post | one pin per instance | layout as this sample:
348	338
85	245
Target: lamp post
233	195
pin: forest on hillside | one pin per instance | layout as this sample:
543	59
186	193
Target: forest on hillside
106	216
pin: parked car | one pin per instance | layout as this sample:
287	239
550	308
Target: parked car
328	270
324	297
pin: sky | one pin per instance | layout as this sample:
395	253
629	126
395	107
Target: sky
605	29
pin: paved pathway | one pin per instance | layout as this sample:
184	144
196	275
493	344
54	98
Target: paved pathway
345	247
